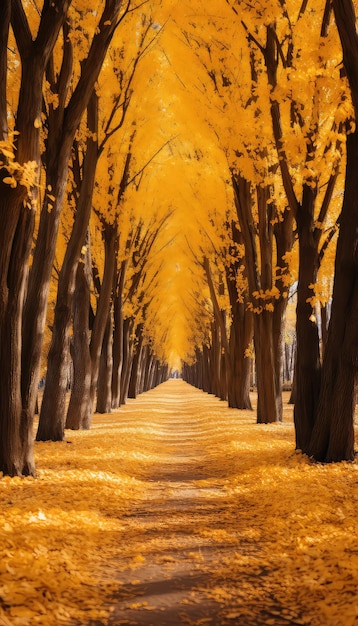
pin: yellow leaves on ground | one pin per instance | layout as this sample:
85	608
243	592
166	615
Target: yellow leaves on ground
58	530
176	483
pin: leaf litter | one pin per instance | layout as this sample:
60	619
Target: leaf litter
178	510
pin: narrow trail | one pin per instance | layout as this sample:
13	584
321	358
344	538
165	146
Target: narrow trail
186	528
178	508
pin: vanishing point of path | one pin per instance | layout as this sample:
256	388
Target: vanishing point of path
199	559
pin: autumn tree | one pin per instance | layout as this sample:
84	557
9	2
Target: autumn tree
20	171
333	432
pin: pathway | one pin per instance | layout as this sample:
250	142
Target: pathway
186	531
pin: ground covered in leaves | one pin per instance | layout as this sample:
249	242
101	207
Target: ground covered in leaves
176	510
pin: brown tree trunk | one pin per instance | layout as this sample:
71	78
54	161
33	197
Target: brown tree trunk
219	330
118	338
104	385
100	321
215	361
143	369
57	158
207	377
5	13
81	358
267	409
308	365
136	363
324	328
333	433
127	358
147	379
241	334
241	331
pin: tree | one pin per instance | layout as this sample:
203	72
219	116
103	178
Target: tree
18	201
333	433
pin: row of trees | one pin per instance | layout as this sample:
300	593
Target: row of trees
69	156
301	157
94	220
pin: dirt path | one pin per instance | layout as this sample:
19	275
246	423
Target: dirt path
184	530
177	504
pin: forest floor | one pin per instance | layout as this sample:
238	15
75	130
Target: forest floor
176	510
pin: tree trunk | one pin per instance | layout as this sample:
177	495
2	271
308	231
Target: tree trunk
241	330
5	13
308	366
118	339
147	379
136	363
127	358
99	326
265	369
104	386
241	334
215	360
81	358
333	433
207	377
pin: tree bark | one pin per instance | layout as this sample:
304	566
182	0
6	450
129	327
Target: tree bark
5	13
127	358
104	386
333	433
118	338
241	331
308	365
81	358
99	326
136	363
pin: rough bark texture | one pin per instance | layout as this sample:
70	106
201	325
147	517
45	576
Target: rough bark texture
136	364
104	385
5	12
127	358
118	338
308	365
81	358
241	331
100	321
333	433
